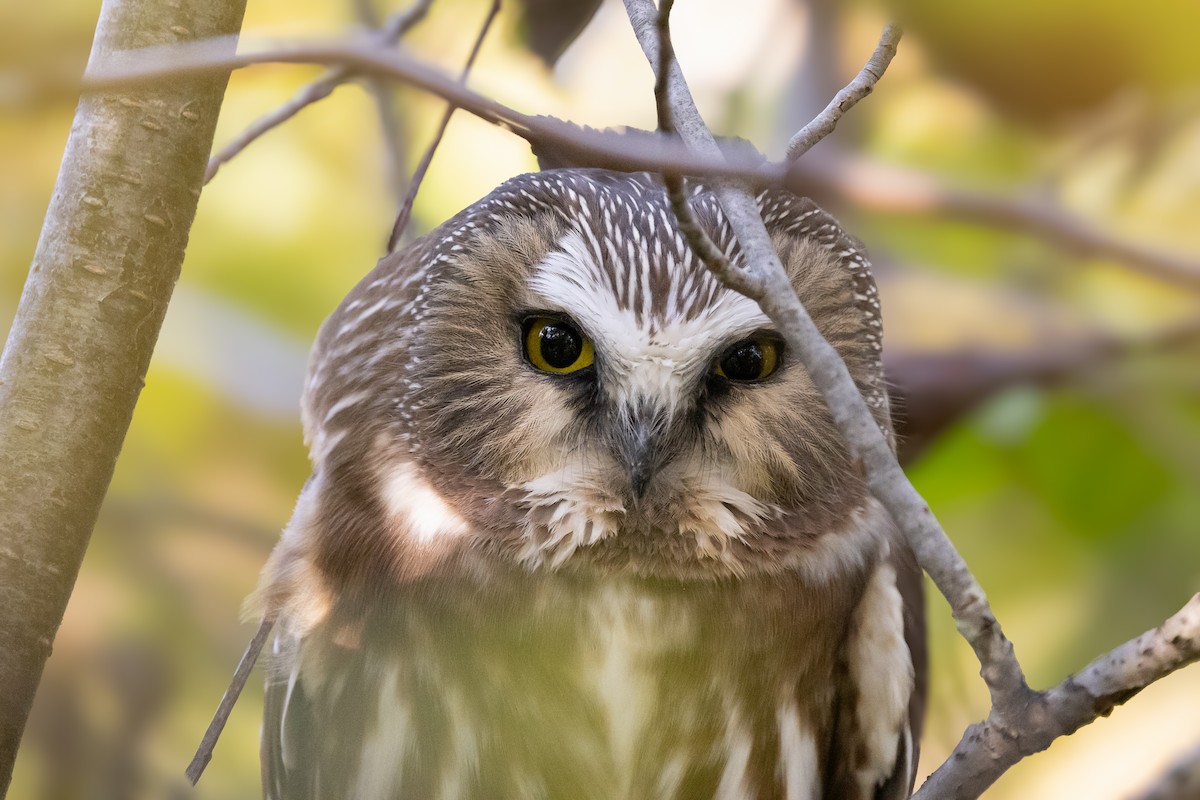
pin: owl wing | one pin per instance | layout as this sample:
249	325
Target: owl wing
881	697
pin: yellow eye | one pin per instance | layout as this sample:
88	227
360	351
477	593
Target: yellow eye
749	360
556	345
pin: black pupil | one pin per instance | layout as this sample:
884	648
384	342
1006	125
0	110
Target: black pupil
743	363
561	345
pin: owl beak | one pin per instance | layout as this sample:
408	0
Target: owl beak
642	445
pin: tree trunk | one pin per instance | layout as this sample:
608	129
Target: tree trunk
108	257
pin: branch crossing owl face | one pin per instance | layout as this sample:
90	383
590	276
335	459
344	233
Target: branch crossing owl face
568	357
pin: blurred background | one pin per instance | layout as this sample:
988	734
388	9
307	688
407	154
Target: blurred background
1052	390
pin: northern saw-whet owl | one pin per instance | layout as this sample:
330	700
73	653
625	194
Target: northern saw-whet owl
580	527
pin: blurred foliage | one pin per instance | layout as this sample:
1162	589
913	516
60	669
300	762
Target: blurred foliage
1077	505
1048	61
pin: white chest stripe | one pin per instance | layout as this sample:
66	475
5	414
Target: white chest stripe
797	756
881	667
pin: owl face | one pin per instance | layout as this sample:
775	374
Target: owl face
574	362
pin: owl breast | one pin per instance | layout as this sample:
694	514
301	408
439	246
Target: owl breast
573	688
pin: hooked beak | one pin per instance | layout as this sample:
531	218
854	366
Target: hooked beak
642	445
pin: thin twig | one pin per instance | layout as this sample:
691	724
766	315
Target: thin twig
395	28
762	278
697	239
385	106
863	184
392	133
863	84
582	146
414	184
1021	721
240	676
989	748
870	186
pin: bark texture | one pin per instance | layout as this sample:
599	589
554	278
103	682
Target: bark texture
107	260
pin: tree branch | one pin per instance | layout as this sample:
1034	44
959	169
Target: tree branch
989	748
385	106
863	184
763	279
857	182
580	146
863	84
395	28
1021	721
228	700
414	185
107	259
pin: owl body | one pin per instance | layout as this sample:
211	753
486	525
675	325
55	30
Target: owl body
579	527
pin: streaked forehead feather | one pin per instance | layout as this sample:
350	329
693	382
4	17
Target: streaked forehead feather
625	225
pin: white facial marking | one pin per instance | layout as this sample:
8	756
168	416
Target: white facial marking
571	507
646	356
411	501
567	509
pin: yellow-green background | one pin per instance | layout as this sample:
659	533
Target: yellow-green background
1078	507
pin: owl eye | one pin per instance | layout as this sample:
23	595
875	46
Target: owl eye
556	345
749	360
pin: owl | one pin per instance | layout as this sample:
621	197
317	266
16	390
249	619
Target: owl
580	527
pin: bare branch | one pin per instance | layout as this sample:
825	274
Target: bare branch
392	133
989	748
240	676
106	263
385	105
397	25
863	84
857	182
414	185
762	278
1021	721
699	241
581	146
1180	782
864	184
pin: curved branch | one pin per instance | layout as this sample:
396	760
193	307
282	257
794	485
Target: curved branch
860	183
418	175
763	279
863	84
107	260
393	30
1013	731
583	146
856	182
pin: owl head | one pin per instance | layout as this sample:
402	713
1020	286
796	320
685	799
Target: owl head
553	378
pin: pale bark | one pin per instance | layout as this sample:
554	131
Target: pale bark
108	257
